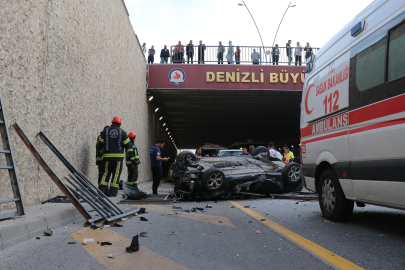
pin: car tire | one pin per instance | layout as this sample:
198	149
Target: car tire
261	149
333	203
213	179
291	175
180	159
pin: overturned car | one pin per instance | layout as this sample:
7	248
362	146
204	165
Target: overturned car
223	177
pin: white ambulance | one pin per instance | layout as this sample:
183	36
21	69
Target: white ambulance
353	114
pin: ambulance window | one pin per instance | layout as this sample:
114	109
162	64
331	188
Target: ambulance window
370	66
396	53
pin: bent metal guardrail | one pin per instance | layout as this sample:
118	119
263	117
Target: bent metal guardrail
209	54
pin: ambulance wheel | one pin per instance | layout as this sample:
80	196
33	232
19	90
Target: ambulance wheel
332	200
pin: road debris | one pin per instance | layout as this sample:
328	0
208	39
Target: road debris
134	245
208	206
37	238
143	234
257	232
176	207
143	219
72	243
48	232
106	243
106	226
88	241
111	256
246	206
94	227
263	219
116	224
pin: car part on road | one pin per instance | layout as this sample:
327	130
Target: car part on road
133	193
48	232
134	245
212	178
57	199
333	203
80	188
160	199
105	243
143	234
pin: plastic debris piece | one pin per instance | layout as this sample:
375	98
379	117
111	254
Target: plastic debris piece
263	219
106	226
111	256
88	241
94	227
176	207
124	219
72	243
48	232
134	245
208	206
247	206
142	210
143	219
143	234
257	232
37	238
116	224
106	243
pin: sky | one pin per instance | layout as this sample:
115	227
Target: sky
159	22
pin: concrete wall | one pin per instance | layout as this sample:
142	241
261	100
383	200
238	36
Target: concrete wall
67	67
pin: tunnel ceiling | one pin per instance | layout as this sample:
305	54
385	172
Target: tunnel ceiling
195	117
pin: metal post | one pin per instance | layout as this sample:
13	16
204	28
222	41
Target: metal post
289	5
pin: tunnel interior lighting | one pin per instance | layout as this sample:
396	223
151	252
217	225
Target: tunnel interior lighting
150	98
167	129
156	109
161	118
168	133
164	124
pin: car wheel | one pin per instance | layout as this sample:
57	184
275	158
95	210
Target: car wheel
181	159
332	200
291	175
213	179
261	149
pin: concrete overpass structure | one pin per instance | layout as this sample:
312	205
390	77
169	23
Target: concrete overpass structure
224	104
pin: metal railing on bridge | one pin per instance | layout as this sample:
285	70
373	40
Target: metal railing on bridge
247	55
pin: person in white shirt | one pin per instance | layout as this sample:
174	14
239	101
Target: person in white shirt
298	53
144	50
275	55
273	152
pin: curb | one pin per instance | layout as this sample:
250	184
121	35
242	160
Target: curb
12	235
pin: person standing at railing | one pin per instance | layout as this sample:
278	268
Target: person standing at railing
179	52
230	53
151	57
164	55
220	53
255	57
237	55
201	52
308	51
190	51
144	50
288	50
298	53
275	54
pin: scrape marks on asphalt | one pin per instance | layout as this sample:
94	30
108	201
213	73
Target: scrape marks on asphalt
142	259
221	221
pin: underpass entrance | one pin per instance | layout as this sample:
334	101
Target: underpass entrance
227	104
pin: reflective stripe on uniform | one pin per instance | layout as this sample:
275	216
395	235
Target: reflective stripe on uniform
117	172
99	158
137	157
103	182
114	155
129	162
126	141
130	150
100	139
132	158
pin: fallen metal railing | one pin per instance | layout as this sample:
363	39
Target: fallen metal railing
80	188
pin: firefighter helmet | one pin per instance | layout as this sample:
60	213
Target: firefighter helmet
116	120
132	135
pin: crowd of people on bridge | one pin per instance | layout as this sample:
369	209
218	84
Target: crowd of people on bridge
231	54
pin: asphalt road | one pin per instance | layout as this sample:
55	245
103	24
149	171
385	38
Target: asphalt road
270	234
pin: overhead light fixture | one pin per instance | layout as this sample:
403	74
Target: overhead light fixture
156	109
167	129
164	124
168	133
150	98
161	118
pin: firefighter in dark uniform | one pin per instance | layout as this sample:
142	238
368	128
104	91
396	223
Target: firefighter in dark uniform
113	141
132	165
99	159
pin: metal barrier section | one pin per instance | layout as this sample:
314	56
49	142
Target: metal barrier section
77	188
259	55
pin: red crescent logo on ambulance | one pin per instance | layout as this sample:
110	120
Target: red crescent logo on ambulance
306	100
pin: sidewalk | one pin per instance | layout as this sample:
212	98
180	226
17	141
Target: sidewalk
41	217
